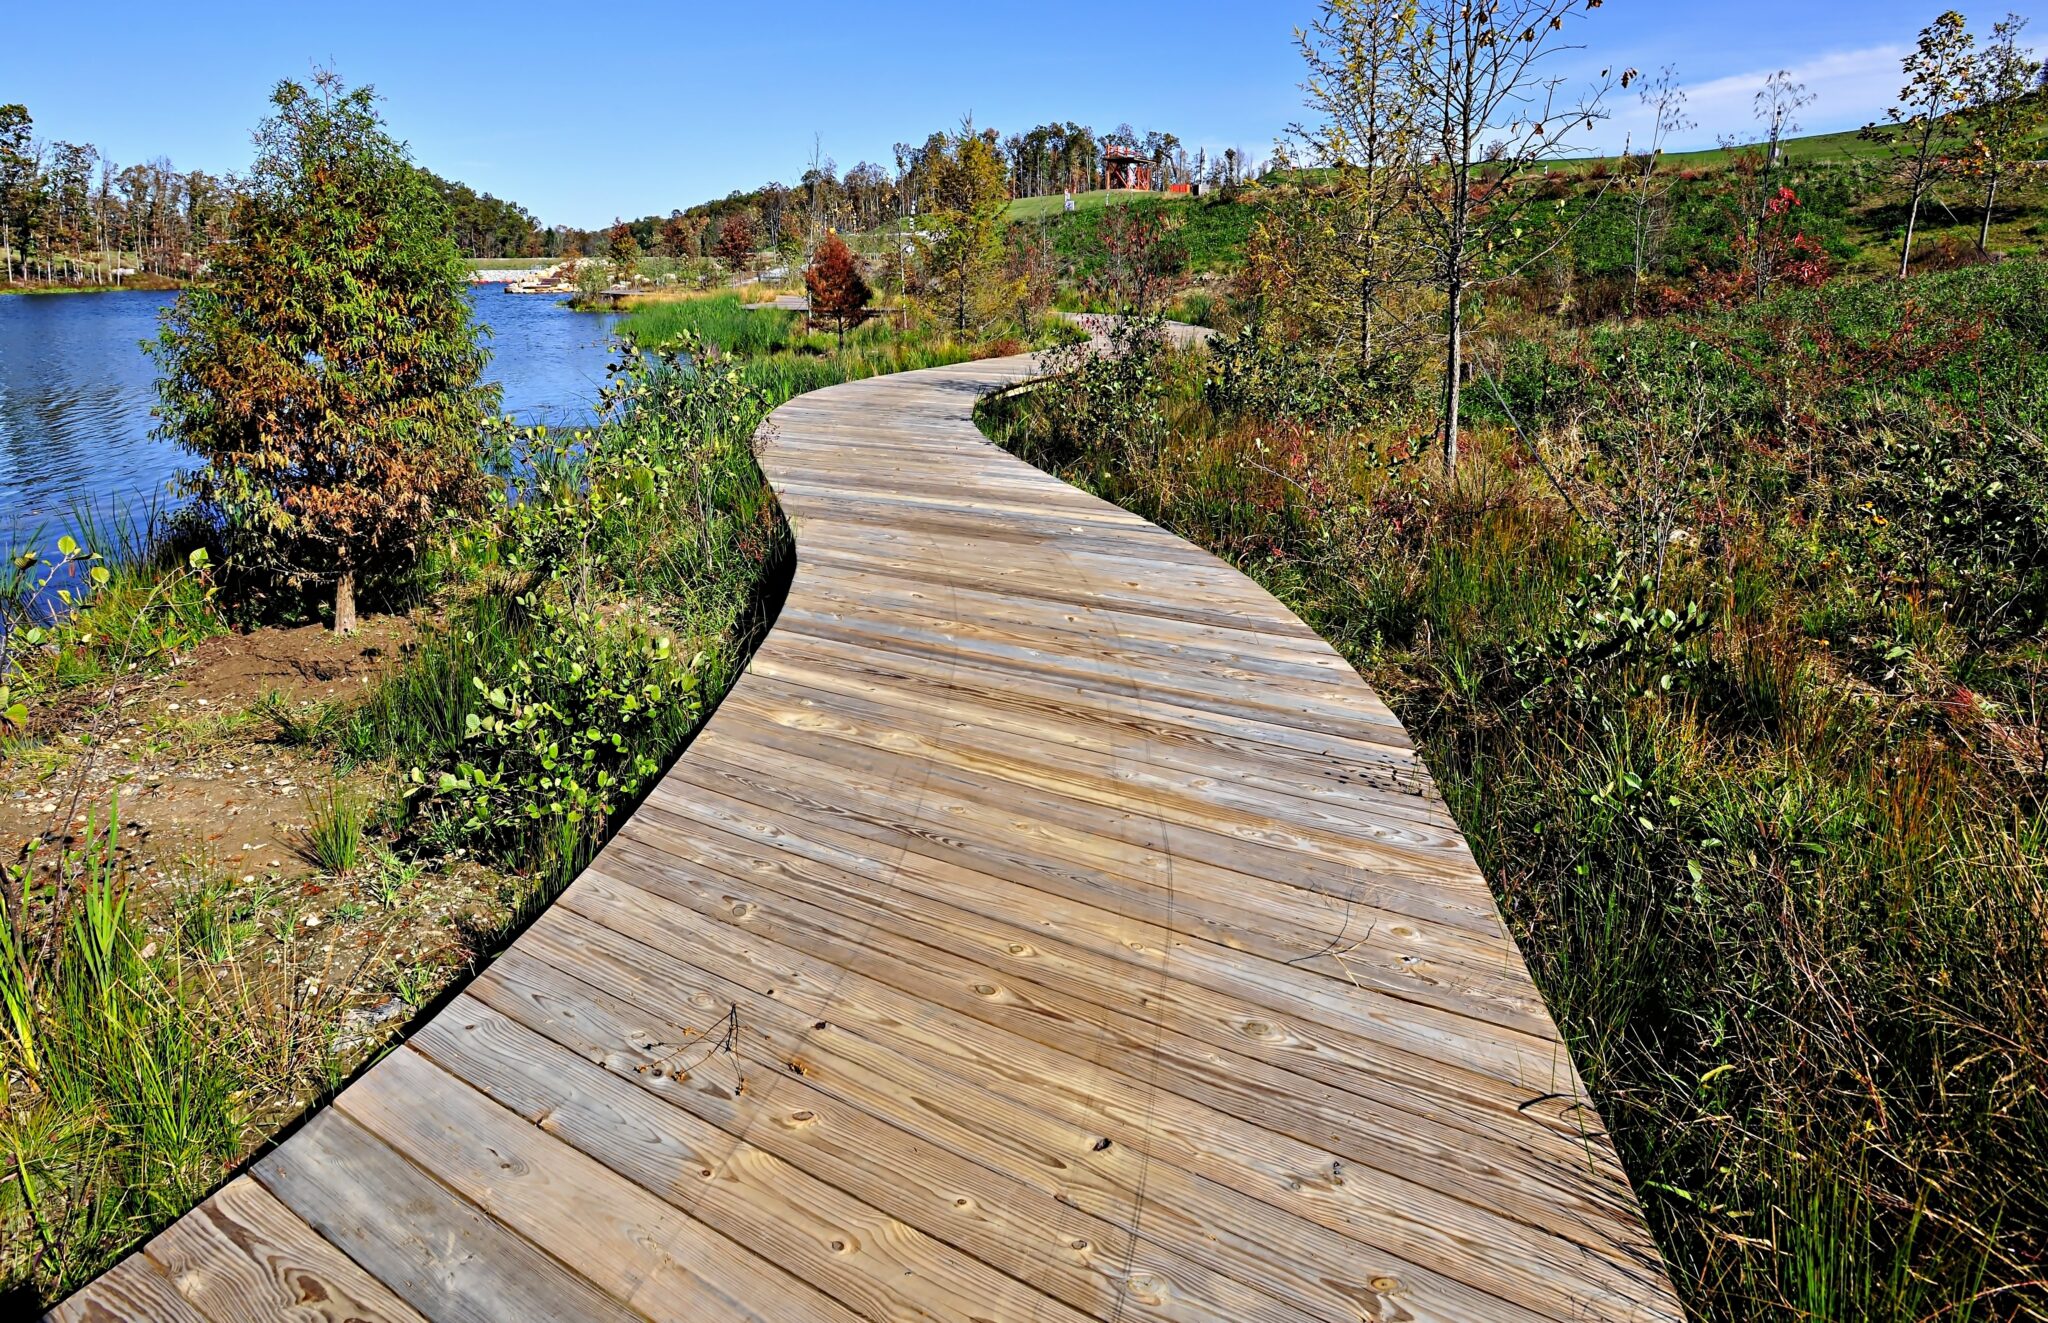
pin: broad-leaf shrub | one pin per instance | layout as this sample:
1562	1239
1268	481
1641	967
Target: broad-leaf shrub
569	733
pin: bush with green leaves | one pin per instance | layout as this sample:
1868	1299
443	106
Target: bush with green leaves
1112	393
569	733
550	703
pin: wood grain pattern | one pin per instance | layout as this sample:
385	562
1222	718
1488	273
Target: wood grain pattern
1049	926
244	1255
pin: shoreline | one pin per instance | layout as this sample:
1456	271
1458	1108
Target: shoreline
156	286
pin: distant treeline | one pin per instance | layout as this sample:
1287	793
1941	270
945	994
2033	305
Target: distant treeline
1048	159
69	213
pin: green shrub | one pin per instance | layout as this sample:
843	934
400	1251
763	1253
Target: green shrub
568	734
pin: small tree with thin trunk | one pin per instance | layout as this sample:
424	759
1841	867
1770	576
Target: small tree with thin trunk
622	250
1031	268
17	180
1776	102
1485	109
327	369
1664	98
1938	71
2005	113
1355	56
962	233
834	283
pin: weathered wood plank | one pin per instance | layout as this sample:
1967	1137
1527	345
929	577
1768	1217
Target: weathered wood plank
447	1259
630	1244
647	1123
132	1291
1228	1117
245	1256
1118	1214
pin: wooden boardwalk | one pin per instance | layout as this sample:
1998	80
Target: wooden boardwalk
1049	926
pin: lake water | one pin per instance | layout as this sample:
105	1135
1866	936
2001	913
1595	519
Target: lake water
76	390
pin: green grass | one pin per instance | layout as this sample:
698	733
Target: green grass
126	285
1210	232
1847	145
130	1061
334	837
1809	149
509	263
1054	204
719	318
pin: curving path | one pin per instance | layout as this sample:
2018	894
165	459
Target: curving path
1049	926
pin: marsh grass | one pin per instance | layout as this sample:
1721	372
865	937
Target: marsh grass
719	319
133	1059
336	820
1783	877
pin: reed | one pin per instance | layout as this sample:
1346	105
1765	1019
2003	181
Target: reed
718	319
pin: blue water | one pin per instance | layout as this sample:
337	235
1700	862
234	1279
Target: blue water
76	391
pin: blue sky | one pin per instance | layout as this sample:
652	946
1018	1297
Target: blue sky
584	113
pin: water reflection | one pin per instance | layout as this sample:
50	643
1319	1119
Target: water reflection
76	390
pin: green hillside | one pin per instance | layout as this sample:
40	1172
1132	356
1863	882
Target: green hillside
1096	200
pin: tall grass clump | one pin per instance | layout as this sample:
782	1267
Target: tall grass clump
127	1062
334	834
1727	650
718	319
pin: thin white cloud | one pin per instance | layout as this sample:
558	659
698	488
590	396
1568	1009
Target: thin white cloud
1849	88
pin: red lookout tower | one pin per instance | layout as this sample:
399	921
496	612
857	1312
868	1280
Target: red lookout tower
1124	168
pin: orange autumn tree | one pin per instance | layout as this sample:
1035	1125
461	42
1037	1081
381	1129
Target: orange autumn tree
735	246
327	370
834	284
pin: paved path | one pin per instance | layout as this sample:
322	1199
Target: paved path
1049	926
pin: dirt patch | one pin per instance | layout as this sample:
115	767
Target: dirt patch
214	811
189	756
308	664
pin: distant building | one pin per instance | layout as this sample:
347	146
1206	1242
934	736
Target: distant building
1124	168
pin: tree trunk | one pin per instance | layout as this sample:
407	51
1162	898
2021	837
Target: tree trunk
1452	385
1365	322
345	603
1912	223
1984	228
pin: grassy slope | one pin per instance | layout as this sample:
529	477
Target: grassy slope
1847	145
1211	230
1096	200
